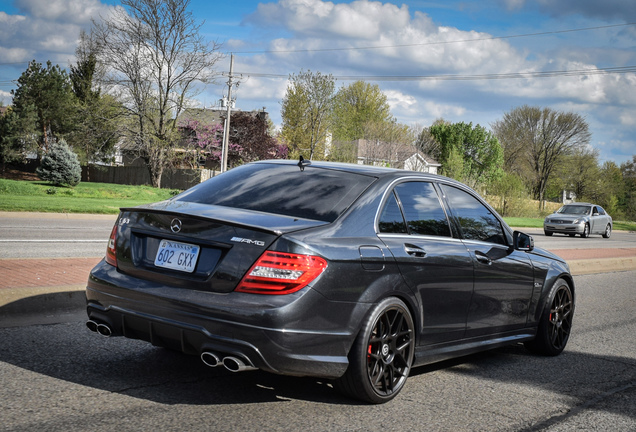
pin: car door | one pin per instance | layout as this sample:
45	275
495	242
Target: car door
503	276
598	220
436	266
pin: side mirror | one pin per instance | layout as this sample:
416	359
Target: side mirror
595	214
522	241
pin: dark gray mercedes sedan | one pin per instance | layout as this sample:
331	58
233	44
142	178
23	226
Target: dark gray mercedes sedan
346	272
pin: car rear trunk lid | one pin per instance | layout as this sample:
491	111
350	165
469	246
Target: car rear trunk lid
219	251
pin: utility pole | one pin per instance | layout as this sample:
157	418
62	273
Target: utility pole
226	129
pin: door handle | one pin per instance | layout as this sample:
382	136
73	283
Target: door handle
415	251
482	257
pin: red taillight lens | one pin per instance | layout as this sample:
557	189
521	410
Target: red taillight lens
111	252
281	273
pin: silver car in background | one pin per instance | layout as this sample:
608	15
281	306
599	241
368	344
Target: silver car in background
579	218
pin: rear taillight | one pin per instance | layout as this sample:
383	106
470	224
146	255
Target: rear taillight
281	273
111	251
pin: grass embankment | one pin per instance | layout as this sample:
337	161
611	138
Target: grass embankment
99	198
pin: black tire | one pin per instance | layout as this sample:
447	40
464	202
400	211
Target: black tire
555	323
608	231
382	355
571	235
586	231
547	233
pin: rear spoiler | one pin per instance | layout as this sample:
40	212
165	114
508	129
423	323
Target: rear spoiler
267	222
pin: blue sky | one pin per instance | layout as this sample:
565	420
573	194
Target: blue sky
404	38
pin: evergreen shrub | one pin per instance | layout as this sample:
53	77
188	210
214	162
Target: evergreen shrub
60	166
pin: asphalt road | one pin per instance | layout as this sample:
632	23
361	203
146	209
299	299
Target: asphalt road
56	236
618	239
40	235
62	377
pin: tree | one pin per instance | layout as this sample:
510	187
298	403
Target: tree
250	132
628	169
43	104
579	172
202	144
511	193
60	166
10	150
386	143
426	143
611	193
535	141
97	129
154	57
306	113
470	154
355	106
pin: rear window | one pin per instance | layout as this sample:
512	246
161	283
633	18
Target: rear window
315	193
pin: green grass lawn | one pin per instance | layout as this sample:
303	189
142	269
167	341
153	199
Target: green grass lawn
101	198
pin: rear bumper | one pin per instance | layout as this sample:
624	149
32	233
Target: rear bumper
300	334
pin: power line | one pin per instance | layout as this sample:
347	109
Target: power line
433	43
512	75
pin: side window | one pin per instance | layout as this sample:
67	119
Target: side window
391	220
601	211
476	221
422	209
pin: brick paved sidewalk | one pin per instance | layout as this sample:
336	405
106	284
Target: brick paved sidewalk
584	254
35	272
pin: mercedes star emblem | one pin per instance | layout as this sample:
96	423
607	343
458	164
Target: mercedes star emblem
175	225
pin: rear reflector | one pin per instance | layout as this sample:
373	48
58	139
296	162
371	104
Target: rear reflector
281	273
111	252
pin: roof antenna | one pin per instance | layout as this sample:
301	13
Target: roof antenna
302	163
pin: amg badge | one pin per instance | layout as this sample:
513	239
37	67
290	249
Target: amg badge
248	241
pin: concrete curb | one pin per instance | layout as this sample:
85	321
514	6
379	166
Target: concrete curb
601	265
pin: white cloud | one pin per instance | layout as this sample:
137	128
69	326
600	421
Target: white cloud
5	97
46	29
360	19
68	11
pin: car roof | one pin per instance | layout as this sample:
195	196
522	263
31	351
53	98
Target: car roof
368	170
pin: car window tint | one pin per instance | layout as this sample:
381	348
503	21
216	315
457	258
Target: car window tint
476	221
601	211
422	209
391	219
315	193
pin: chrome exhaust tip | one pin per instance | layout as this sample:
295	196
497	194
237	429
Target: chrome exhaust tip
210	359
92	325
104	330
234	364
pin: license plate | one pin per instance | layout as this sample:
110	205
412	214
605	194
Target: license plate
177	256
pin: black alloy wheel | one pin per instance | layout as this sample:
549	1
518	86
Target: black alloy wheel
608	231
382	355
556	322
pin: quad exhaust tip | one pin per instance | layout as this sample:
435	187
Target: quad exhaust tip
210	359
100	328
233	364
